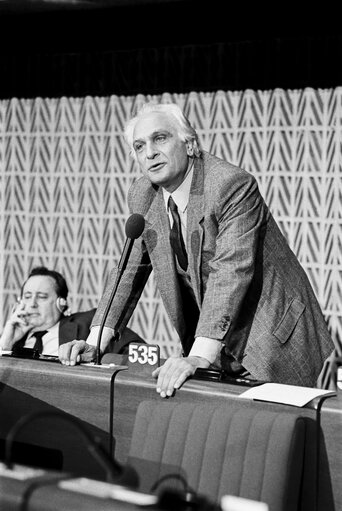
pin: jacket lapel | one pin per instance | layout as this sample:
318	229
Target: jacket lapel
194	228
156	237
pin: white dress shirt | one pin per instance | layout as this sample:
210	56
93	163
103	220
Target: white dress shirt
50	340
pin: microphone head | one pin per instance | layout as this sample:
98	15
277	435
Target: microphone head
134	226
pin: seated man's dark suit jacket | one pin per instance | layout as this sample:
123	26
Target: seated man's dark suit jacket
77	326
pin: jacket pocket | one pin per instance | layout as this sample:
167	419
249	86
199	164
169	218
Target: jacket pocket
289	320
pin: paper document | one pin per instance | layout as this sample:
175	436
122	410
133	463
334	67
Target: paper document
286	394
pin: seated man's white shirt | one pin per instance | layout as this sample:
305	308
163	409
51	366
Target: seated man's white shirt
50	341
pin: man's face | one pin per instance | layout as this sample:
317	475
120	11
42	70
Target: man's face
40	297
161	155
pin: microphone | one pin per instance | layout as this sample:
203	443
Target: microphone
133	229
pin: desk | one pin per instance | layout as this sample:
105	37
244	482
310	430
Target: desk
106	399
83	392
131	388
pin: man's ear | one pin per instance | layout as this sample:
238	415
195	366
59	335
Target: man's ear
189	149
61	304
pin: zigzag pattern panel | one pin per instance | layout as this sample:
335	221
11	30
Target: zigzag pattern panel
65	172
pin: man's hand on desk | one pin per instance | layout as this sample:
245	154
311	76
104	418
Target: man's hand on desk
75	352
175	372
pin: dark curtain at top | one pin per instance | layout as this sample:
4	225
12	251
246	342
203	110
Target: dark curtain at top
151	47
256	64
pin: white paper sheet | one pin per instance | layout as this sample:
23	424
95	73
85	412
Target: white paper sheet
286	394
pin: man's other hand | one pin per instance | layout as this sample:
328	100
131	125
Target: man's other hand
175	371
75	352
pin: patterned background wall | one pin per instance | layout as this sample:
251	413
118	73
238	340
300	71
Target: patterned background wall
65	172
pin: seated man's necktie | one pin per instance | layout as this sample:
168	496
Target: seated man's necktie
39	342
176	238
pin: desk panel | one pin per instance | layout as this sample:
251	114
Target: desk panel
82	392
330	473
106	400
132	387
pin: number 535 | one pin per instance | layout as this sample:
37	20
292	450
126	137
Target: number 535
144	354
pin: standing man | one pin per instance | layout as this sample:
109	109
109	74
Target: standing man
235	292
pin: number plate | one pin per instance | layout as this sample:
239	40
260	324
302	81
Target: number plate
144	357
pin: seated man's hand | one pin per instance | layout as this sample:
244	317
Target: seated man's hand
75	352
175	371
16	326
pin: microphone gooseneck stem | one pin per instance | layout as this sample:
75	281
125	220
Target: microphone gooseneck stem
121	267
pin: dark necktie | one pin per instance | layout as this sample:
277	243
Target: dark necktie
39	343
176	238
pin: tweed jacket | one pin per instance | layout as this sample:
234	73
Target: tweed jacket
251	291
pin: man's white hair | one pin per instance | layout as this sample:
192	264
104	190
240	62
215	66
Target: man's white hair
185	131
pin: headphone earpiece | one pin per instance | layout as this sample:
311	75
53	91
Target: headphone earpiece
61	304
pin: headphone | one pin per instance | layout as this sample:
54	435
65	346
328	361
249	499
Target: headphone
61	304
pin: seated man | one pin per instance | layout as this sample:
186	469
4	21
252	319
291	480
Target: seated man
39	320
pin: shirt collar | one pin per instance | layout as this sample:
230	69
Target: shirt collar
182	193
52	330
